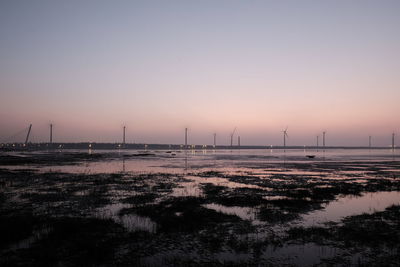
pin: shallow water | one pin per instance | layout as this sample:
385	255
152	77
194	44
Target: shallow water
222	160
352	205
132	222
274	175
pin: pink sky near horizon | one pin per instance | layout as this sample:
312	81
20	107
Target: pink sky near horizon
158	68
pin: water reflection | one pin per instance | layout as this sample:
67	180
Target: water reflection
352	205
282	182
244	213
131	222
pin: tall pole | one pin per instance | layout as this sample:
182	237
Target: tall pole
239	140
323	138
392	140
186	131
29	132
284	139
233	133
215	139
317	140
51	133
369	142
123	137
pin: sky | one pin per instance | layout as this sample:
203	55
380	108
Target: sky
90	67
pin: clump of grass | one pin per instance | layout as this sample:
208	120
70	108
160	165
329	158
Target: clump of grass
245	197
72	242
183	214
275	215
377	232
140	199
15	227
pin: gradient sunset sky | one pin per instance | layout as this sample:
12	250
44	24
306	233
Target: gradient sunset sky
90	67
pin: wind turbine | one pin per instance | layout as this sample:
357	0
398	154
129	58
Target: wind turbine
29	132
123	136
232	134
51	133
393	134
284	137
323	138
186	137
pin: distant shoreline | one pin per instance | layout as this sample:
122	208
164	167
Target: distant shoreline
113	146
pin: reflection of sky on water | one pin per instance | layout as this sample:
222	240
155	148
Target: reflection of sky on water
276	166
264	164
351	205
221	160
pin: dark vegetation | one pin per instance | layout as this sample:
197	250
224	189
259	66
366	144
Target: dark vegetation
73	219
376	236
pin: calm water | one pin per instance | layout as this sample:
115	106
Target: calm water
181	161
251	162
273	165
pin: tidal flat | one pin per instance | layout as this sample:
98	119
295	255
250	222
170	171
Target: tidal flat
200	207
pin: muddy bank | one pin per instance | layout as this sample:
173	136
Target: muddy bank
256	215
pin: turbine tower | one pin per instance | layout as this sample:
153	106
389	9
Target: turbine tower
284	137
215	139
51	133
369	141
393	140
317	140
29	132
323	138
123	136
239	141
232	134
186	137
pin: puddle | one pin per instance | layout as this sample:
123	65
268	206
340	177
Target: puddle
287	173
132	222
352	205
218	181
244	213
187	189
275	197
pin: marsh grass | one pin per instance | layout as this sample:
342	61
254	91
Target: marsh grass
188	233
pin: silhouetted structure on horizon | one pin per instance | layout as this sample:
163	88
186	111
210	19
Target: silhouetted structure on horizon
27	136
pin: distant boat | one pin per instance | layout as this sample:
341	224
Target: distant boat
310	156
